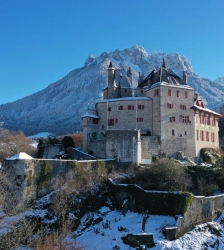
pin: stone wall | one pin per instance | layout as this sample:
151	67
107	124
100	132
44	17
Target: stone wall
150	146
201	210
98	148
126	119
28	180
123	145
50	151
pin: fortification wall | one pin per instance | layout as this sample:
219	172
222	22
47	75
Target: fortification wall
50	151
27	180
123	145
98	148
150	146
199	210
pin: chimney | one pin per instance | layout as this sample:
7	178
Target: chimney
140	78
184	77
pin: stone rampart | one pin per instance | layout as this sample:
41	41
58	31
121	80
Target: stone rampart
150	146
27	180
199	210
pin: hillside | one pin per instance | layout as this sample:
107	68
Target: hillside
58	107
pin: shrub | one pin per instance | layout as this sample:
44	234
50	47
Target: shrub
164	175
68	142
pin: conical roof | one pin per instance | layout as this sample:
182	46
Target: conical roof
20	155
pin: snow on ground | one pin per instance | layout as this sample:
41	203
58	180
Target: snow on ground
103	230
107	234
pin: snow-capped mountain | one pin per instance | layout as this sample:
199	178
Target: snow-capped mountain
220	80
58	107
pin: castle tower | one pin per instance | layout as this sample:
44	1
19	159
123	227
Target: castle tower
111	74
129	75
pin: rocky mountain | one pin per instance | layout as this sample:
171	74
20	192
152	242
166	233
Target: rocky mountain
58	107
220	80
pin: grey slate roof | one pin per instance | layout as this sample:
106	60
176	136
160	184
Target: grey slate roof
162	75
90	113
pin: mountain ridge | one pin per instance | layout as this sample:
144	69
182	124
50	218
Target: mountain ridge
59	106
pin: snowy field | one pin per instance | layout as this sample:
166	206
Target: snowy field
103	230
97	237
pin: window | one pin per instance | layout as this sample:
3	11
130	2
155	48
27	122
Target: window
139	119
184	107
207	136
169	105
202	135
208	120
141	106
156	92
173	132
186	94
116	120
203	120
184	119
178	93
125	90
185	133
109	108
197	135
169	92
141	91
212	137
120	107
131	107
95	120
110	122
172	119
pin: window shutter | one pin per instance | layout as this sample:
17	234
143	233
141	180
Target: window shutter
181	120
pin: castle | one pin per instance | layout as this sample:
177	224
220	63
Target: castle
161	116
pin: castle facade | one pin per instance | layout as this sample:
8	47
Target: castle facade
161	116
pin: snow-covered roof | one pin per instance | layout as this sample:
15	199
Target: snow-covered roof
205	110
41	135
90	113
127	99
20	155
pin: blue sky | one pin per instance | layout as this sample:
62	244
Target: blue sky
42	40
